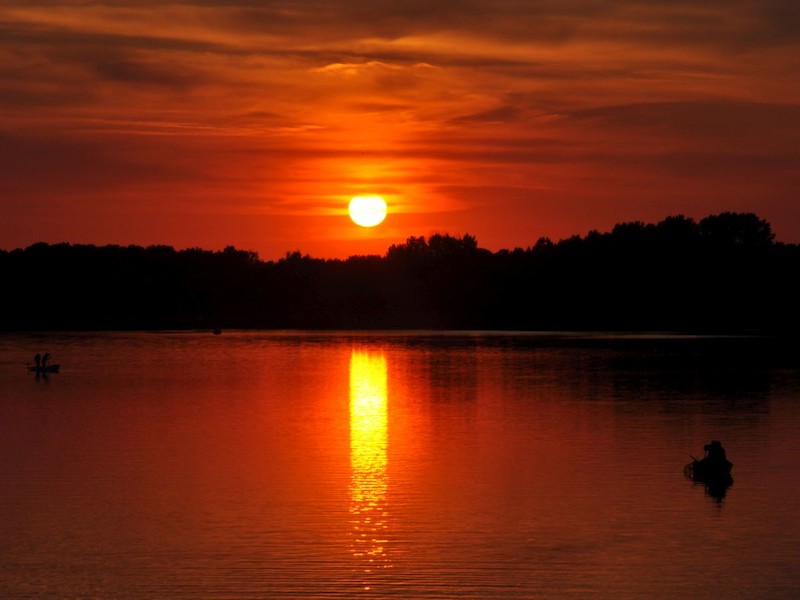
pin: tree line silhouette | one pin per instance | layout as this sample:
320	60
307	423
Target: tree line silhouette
725	273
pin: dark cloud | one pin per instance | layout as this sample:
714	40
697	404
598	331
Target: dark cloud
78	162
494	115
147	72
380	107
25	35
780	20
704	119
729	22
16	96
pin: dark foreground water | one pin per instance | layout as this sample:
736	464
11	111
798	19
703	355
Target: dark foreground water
253	465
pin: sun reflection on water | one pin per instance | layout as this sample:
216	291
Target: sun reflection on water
368	460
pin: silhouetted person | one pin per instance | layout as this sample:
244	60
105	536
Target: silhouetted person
715	453
45	358
38	360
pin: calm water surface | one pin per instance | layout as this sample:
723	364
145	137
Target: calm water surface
253	465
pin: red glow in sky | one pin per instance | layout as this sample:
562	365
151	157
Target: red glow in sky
209	123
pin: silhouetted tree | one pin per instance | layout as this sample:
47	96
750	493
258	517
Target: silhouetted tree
744	229
725	273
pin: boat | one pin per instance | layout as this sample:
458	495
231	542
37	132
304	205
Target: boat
47	369
715	476
709	471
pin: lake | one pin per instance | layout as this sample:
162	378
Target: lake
398	464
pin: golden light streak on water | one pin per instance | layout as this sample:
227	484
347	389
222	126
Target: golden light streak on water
368	461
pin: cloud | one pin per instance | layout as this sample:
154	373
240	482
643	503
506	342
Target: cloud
768	22
146	72
493	115
754	125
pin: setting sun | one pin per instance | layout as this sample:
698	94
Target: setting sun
367	211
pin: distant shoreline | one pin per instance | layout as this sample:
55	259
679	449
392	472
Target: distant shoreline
422	333
723	275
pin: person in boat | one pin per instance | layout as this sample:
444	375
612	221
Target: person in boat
45	358
715	453
38	360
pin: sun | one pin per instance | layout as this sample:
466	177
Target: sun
367	211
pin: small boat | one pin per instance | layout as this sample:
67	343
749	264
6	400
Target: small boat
709	471
47	369
714	475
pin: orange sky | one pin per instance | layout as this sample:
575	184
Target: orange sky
252	123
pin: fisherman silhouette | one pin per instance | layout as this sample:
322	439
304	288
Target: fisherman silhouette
715	453
38	360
